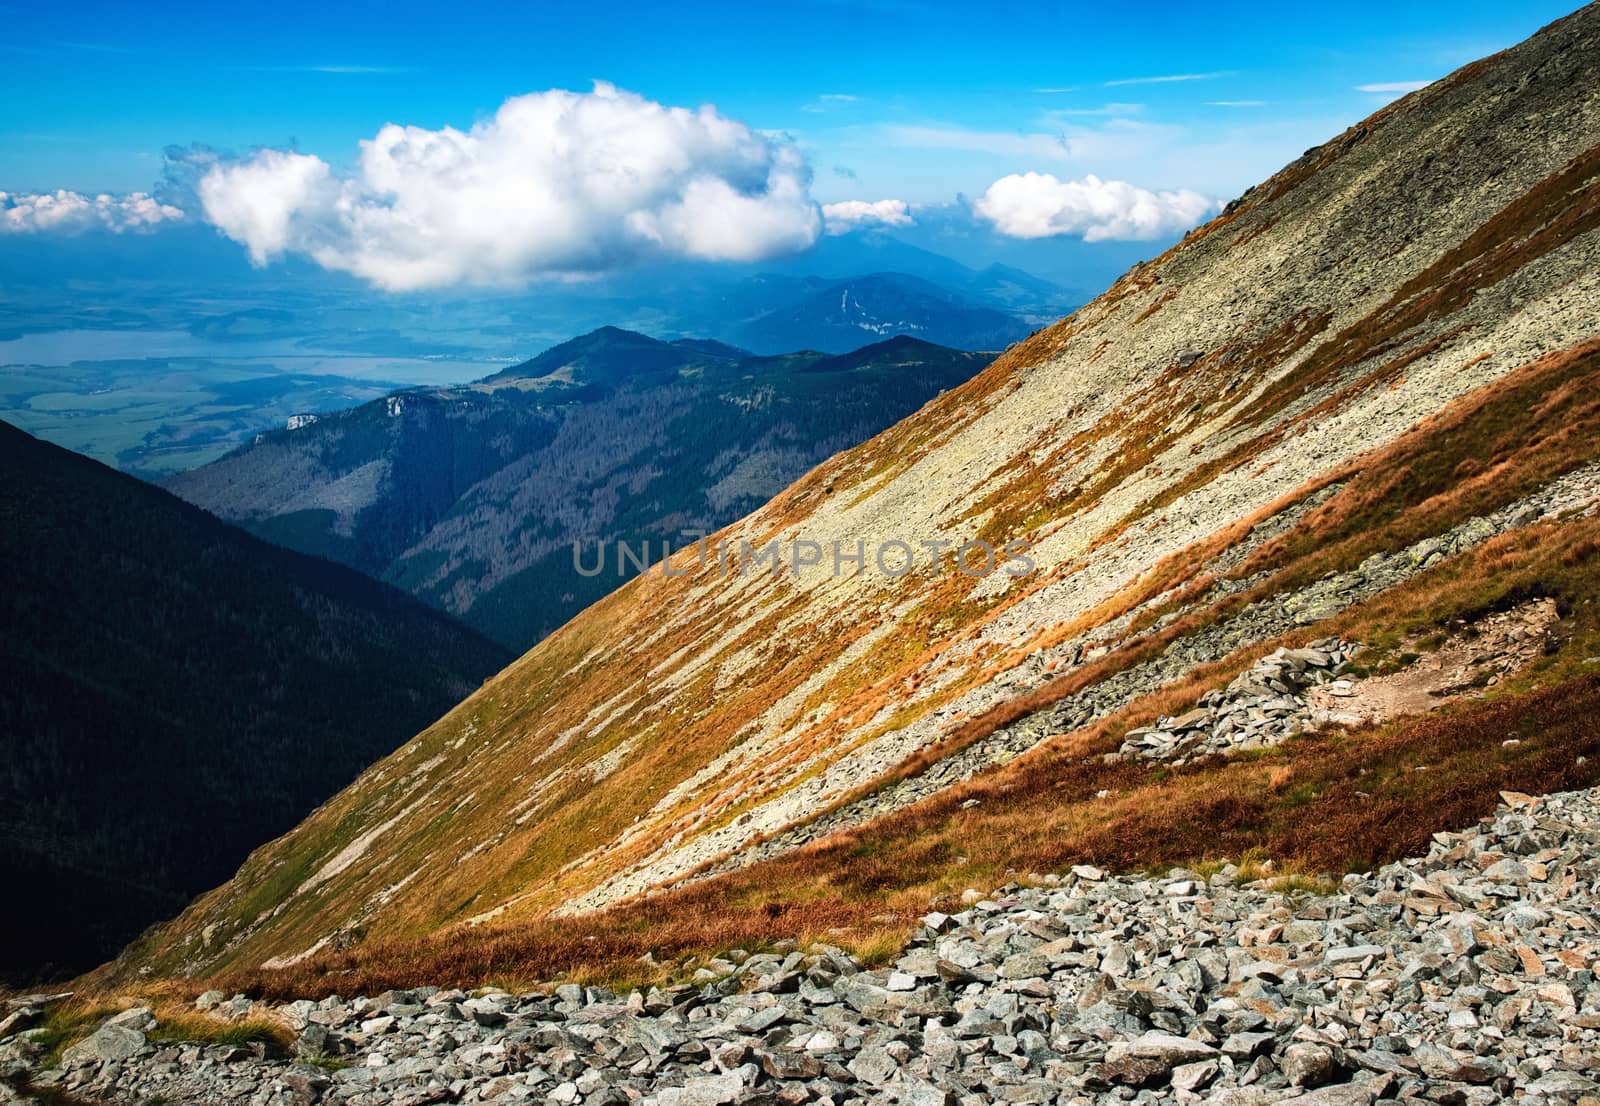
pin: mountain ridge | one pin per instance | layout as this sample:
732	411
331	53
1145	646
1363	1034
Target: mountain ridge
835	315
605	345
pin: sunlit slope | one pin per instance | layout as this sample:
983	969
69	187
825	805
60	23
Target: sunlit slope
1437	246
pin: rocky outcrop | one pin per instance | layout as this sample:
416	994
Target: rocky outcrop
1477	656
1260	708
1465	976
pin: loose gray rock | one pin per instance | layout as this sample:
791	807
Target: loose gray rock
1446	978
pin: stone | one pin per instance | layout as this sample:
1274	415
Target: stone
759	1021
919	1093
1132	1071
791	1065
1446	1064
312	1043
18	1020
1247	1046
1308	1065
107	1044
710	1090
1168	1048
1353	953
1118	988
1194	1077
874	1065
1341	1094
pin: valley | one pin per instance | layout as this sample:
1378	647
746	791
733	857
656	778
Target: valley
144	757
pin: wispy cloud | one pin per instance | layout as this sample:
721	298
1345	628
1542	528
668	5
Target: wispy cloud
1236	103
830	101
340	70
1008	143
361	69
1057	91
1108	110
1393	86
1113	142
1171	78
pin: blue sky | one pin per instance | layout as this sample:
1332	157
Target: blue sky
918	102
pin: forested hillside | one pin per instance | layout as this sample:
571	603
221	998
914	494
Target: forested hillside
175	693
471	498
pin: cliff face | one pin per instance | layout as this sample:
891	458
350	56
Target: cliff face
1440	245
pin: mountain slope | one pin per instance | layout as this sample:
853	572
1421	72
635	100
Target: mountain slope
837	316
1002	287
175	693
472	498
1341	403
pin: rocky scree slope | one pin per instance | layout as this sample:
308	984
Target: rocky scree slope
1403	271
471	498
1465	976
1261	708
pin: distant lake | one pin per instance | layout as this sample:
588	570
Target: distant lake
63	347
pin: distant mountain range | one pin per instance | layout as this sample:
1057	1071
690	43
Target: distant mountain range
472	498
175	693
156	378
838	315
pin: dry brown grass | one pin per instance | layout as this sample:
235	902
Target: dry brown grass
171	1004
1486	450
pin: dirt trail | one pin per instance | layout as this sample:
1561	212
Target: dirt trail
1476	657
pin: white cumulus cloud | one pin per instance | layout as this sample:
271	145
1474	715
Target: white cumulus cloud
67	212
848	215
555	183
1038	205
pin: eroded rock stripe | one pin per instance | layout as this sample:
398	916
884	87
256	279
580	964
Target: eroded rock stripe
1262	621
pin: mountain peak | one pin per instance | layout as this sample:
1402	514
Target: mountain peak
899	350
608	355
